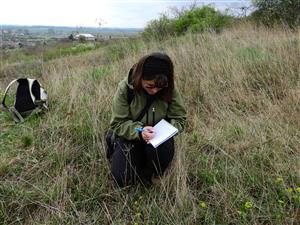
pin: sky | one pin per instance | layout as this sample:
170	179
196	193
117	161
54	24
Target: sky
92	13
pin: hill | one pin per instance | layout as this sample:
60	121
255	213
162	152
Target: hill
236	163
42	30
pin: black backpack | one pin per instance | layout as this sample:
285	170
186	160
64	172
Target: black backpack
30	97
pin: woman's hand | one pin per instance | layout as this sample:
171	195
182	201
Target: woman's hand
148	133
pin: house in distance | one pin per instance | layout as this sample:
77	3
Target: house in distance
86	37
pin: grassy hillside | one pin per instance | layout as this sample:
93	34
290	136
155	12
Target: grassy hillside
238	162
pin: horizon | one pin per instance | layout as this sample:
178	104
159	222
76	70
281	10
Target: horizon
61	26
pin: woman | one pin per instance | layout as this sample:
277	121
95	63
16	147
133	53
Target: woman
150	83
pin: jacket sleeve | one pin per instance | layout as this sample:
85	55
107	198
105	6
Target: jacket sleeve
176	111
121	122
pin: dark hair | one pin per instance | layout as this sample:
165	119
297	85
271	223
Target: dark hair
155	66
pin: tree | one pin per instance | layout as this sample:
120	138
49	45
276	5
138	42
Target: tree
81	38
71	37
270	12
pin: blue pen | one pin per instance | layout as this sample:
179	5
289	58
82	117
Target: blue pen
139	129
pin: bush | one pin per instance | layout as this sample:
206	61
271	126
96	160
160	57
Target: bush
279	11
159	29
193	20
200	19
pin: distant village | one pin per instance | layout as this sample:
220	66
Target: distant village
19	38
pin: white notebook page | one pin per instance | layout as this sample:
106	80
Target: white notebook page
163	131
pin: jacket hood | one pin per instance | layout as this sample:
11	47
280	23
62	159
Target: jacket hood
129	82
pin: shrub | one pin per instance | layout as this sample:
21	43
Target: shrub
200	19
279	11
192	20
159	29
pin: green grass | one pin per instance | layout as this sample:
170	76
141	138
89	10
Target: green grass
74	49
236	163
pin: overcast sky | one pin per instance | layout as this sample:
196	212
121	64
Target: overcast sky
110	13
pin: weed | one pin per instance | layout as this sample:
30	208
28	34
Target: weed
237	162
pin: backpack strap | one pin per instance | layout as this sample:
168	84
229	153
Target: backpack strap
15	114
5	94
145	109
130	96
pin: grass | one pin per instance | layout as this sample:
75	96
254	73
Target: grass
30	61
237	162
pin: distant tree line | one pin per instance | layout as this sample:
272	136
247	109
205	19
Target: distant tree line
198	19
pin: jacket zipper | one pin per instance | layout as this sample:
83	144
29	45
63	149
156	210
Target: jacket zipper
147	118
153	116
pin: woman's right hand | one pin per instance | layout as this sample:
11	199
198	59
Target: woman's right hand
148	133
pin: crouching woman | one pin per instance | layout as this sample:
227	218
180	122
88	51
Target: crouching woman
143	98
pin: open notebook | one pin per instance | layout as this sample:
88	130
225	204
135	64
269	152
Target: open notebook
163	131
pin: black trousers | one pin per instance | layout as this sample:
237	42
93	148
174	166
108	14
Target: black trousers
138	161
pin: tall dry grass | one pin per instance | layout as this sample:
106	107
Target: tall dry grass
236	163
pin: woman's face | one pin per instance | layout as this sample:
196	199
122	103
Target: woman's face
149	87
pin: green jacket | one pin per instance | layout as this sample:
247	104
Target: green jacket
123	114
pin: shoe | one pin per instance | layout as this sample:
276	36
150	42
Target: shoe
146	182
156	179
